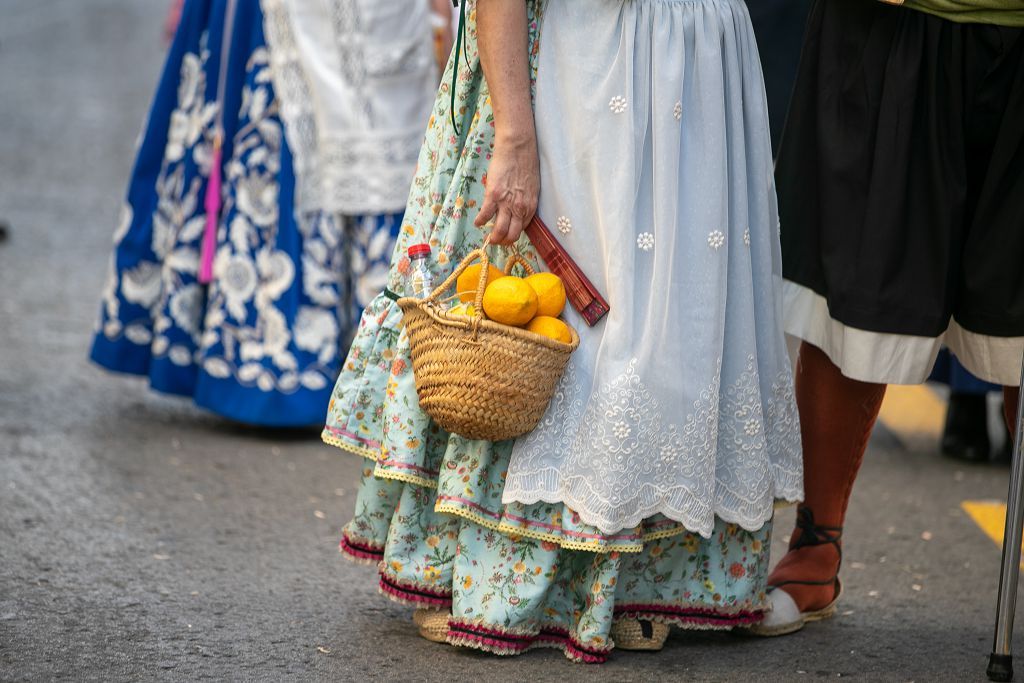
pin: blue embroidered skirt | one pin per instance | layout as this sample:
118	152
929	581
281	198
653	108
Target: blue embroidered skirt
260	343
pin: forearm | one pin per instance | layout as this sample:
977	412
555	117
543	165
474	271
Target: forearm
513	180
503	39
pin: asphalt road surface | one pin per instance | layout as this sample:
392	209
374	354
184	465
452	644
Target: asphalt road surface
142	539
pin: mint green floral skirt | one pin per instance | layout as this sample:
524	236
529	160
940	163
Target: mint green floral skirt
429	513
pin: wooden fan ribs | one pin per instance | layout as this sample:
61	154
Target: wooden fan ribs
582	294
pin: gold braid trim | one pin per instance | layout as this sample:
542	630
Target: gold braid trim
568	544
676	530
509	530
406	478
369	454
332	440
502	527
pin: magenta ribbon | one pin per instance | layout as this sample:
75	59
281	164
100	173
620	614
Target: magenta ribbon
212	205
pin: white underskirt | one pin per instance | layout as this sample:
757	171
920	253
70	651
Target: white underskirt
896	358
356	82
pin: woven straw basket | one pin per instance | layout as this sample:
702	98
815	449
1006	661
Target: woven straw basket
477	378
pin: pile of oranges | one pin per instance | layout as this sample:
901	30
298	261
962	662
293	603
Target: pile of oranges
533	302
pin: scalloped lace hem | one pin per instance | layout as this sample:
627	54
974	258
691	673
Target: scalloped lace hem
680	503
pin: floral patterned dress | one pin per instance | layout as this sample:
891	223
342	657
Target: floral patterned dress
260	343
429	512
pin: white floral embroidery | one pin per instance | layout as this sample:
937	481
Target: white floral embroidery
677	111
257	199
236	327
564	225
138	334
315	329
645	241
180	355
194	114
716	239
186	306
731	454
746	237
617	104
142	284
236	276
123	223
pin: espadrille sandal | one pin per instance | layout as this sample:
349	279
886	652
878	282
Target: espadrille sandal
637	634
785	616
433	624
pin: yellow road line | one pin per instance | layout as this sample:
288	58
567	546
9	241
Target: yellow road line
915	414
989	515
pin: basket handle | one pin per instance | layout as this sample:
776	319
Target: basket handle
517	257
481	255
478	302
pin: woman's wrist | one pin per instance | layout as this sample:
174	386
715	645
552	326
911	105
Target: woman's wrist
514	135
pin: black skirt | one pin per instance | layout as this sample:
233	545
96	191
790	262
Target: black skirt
901	171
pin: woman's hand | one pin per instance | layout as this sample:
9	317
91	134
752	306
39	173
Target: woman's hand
513	186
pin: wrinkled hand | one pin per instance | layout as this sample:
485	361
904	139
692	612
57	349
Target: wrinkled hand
513	187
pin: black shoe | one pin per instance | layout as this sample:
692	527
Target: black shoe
966	433
5	232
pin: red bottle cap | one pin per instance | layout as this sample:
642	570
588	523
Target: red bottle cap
419	250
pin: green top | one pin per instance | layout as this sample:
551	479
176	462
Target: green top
999	12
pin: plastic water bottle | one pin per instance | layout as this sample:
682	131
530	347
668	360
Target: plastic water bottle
420	277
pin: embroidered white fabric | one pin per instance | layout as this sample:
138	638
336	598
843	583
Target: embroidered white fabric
621	458
356	80
681	401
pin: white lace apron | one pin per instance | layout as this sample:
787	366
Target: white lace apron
657	171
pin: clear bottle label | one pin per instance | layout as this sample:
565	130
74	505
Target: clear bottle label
421	280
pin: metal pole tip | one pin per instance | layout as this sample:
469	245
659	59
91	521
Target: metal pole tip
1000	667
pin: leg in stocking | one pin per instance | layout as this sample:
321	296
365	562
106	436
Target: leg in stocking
837	415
